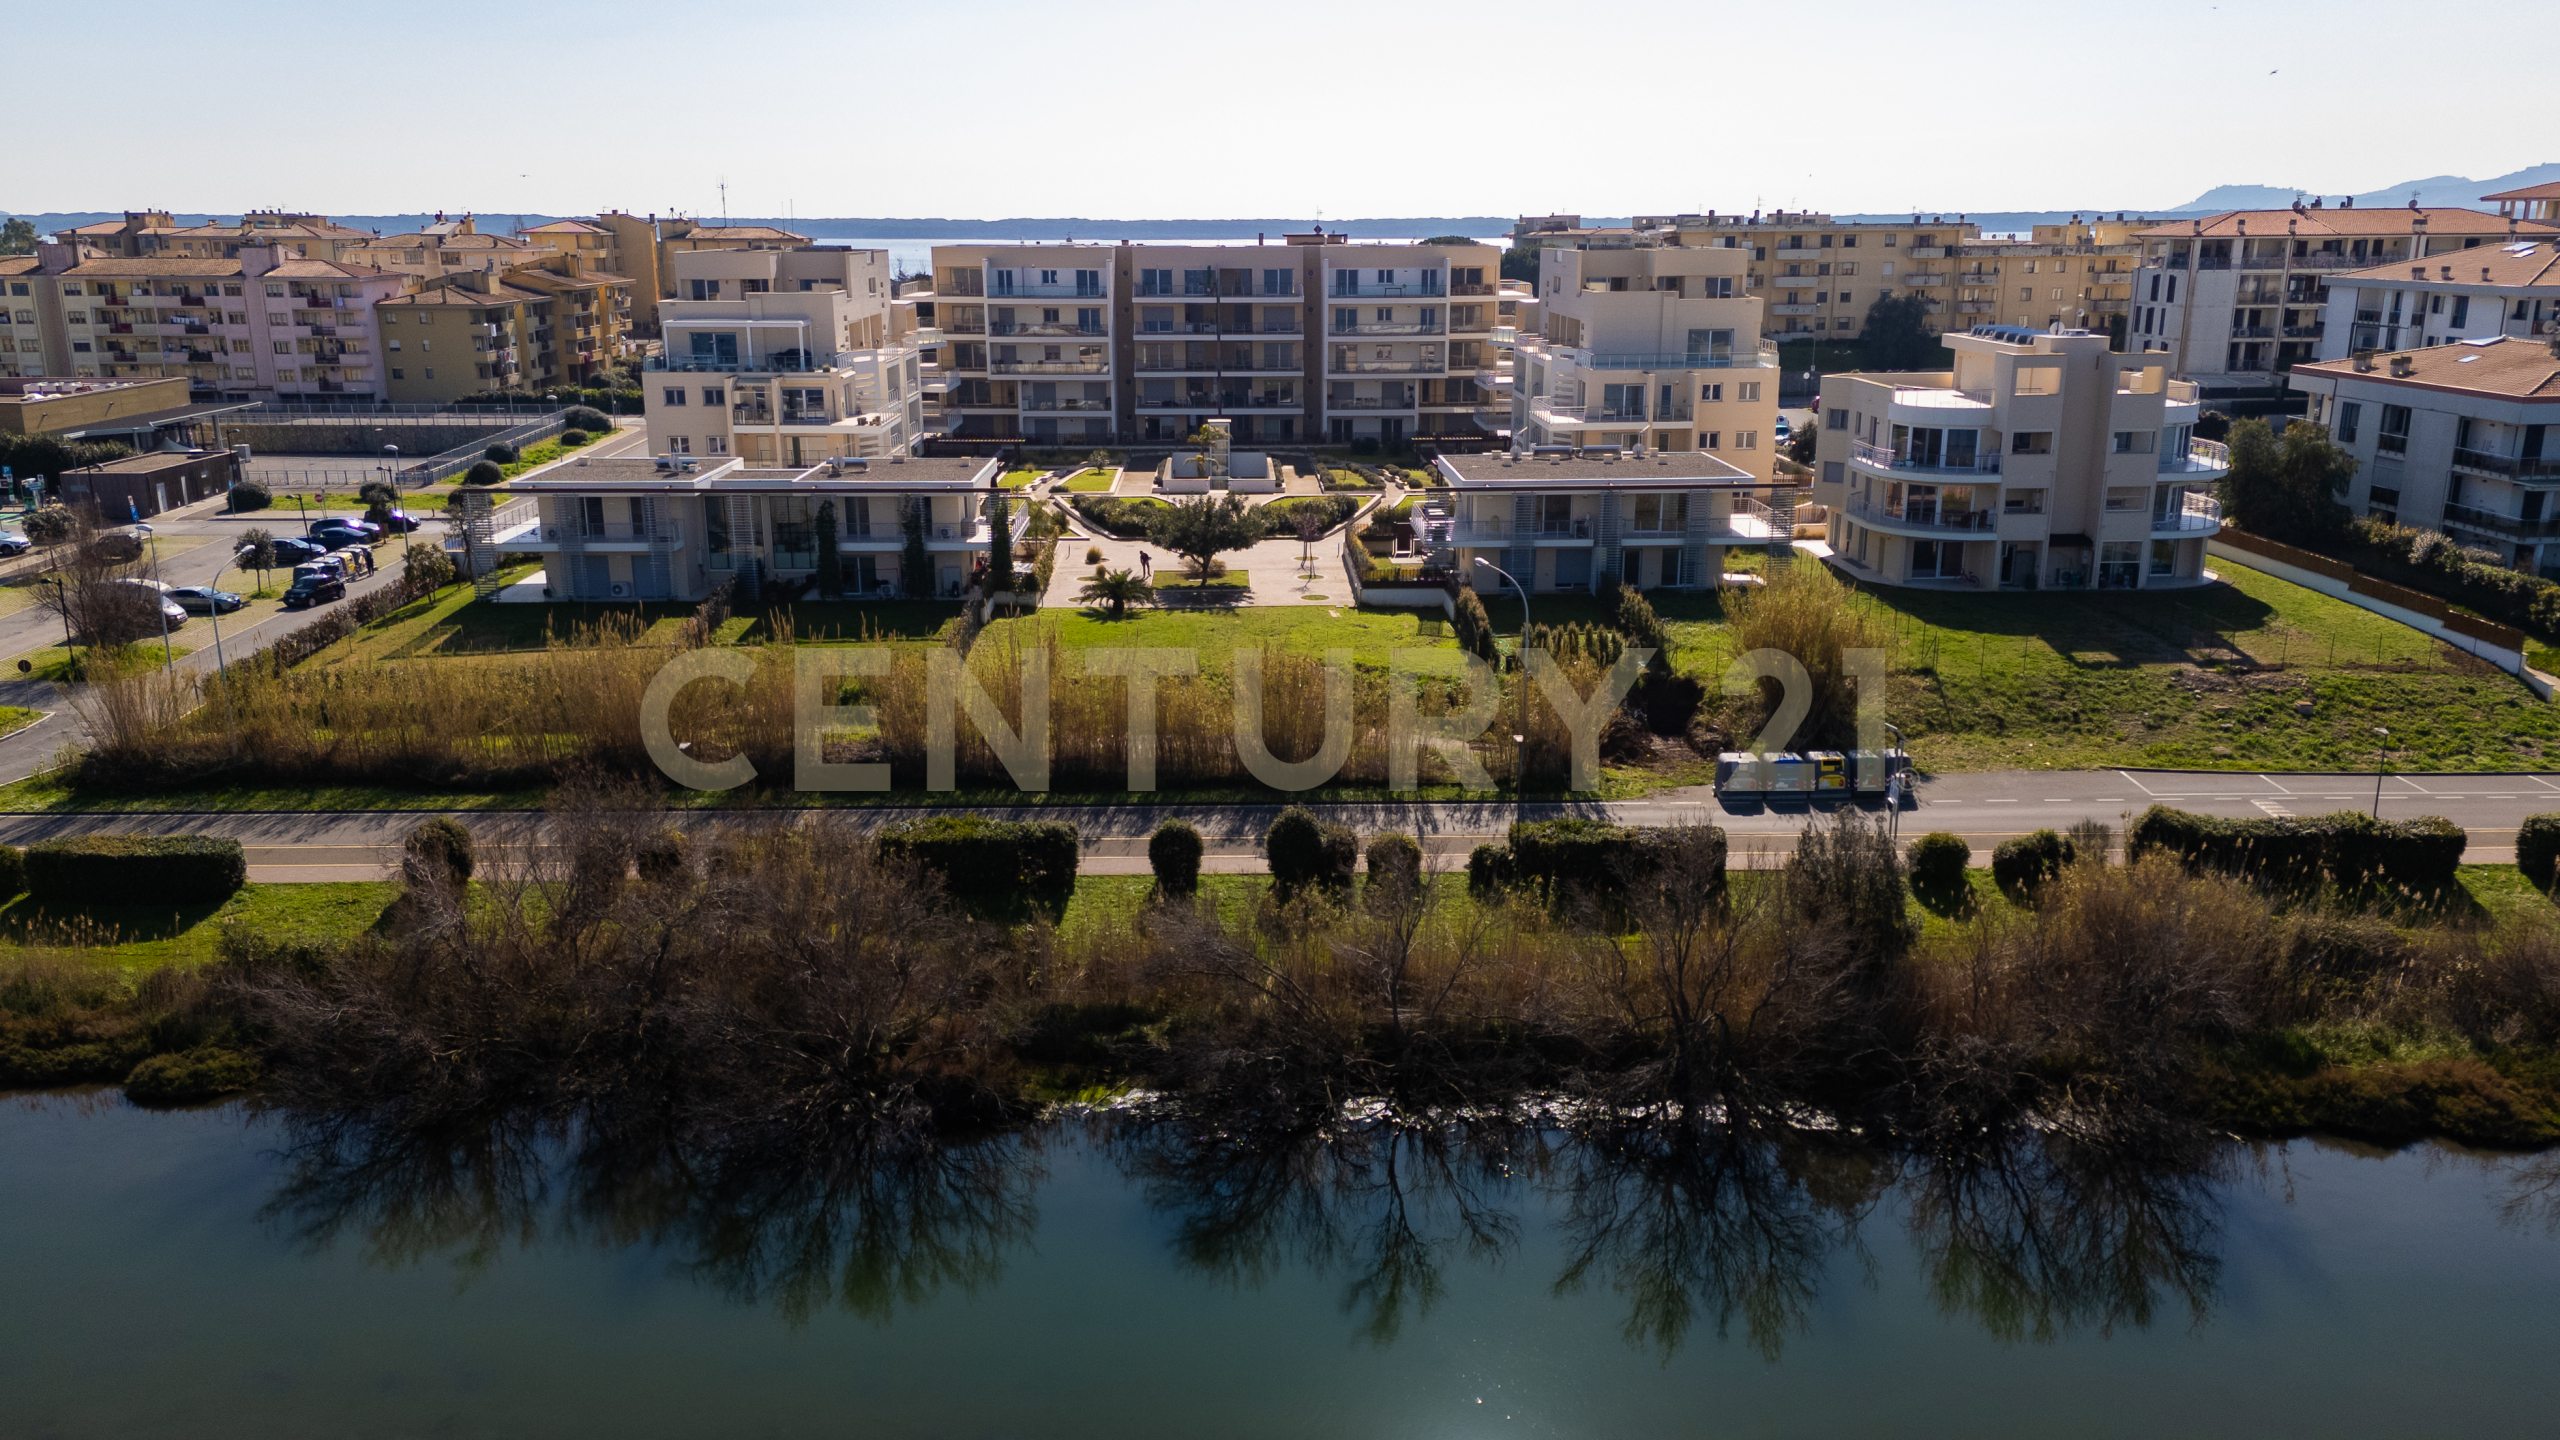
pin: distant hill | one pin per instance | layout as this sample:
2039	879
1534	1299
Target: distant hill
2434	192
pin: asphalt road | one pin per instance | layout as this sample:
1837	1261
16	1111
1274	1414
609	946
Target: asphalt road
1983	808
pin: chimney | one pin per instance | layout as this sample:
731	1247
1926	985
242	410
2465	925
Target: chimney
2346	202
2401	365
2364	360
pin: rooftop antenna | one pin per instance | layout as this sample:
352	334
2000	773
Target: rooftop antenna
724	204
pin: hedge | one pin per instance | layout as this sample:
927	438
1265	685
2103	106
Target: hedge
1124	519
1173	852
1305	851
87	870
2349	849
13	871
1569	859
2538	850
440	849
1938	861
2022	863
992	866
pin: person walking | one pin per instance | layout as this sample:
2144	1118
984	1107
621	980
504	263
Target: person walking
1146	566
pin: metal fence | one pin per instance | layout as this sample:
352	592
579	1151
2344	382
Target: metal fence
462	457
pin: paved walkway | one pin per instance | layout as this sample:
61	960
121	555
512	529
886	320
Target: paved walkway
1983	808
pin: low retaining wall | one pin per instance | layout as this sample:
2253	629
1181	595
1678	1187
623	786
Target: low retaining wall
1408	596
2500	645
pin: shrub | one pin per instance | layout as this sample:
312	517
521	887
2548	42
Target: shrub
247	495
2538	851
85	870
2350	849
991	866
1488	870
13	871
1173	852
572	439
1093	554
1305	851
661	857
1395	865
484	472
587	418
502	454
2022	863
1938	861
438	850
1473	627
190	1075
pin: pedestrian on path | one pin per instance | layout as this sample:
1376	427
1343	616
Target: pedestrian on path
1146	566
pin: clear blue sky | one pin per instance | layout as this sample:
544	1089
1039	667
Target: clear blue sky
1146	108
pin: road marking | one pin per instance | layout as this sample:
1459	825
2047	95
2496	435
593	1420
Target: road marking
2110	800
2498	797
1999	802
2545	784
2136	784
2272	808
2049	800
2272	782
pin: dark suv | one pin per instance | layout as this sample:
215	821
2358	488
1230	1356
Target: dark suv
312	590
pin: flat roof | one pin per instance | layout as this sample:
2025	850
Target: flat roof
1659	467
641	472
2500	366
152	461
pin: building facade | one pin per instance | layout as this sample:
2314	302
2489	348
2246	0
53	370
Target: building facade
1560	522
2462	437
672	529
1653	348
2236	299
643	248
448	247
2508	288
2042	461
784	358
525	328
1312	340
156	235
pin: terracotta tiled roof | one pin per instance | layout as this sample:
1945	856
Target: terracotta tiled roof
2344	221
112	269
2530	192
2527	263
2502	366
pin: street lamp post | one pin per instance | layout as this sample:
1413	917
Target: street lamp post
2381	762
168	661
1894	784
1520	740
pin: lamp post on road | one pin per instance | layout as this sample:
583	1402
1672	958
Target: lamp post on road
1894	783
1520	762
2381	762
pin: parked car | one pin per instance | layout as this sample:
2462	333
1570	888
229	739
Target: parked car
316	589
364	530
332	539
291	551
204	600
13	543
333	566
401	522
1783	433
169	610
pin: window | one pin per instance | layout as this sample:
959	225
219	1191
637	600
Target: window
2136	442
1746	439
1711	393
431	372
675	394
680	445
717	445
1844	299
1836	420
2348	413
71	287
2461	311
713	395
2164	557
1710	440
1746	390
1277	282
2393	438
2119	562
2022	502
2031	442
2124	500
284	347
395	345
399	374
1848	242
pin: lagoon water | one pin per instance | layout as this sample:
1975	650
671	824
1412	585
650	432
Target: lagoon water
183	1274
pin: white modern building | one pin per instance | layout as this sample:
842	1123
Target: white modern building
2509	288
782	358
1560	522
2044	460
2461	437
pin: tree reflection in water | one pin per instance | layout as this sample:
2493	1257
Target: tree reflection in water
864	1227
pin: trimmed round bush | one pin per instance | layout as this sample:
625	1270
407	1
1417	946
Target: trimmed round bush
189	1076
992	866
1395	865
572	439
484	472
1938	861
439	849
587	418
2538	851
1173	852
1305	851
84	870
1488	870
502	454
249	495
2022	863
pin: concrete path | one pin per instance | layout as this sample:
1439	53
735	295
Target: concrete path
1985	809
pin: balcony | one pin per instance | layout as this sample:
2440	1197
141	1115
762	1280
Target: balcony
1216	404
1049	367
1548	412
1976	307
1978	277
1383	327
1784	309
788	362
1370	402
2305	332
1387	367
1063	290
608	536
1926	519
1764	358
1349	290
2203	456
1089	406
1918	279
2512	467
1044	328
2195	515
1884	457
2253	332
2514	527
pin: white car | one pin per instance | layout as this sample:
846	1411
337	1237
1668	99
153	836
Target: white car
170	610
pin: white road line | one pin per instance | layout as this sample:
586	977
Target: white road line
2271	781
1999	802
2136	784
2545	784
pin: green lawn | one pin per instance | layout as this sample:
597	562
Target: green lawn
453	623
68	664
1217	634
1019	479
145	937
1090	481
14	718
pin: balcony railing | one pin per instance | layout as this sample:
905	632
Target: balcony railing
1350	289
2194	513
1042	327
2514	467
1089	405
1674	359
2253	332
1383	327
1213	403
1884	457
668	533
1049	367
1387	367
2512	526
1929	517
1370	402
2200	455
1063	288
2305	332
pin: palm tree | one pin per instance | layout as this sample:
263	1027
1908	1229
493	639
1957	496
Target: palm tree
1118	589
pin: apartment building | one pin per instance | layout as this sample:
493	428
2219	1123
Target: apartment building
2235	299
448	247
1559	522
2511	287
1314	339
2043	460
634	528
156	235
476	332
259	324
643	248
2534	202
86	409
2078	275
784	358
1655	348
2462	437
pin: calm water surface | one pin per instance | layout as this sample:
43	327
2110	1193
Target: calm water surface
182	1274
